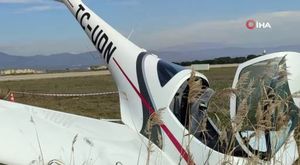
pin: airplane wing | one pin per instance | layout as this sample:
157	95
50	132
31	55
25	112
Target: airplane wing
32	135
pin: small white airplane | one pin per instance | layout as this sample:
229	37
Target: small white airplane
153	101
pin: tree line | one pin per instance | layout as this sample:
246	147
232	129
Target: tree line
220	60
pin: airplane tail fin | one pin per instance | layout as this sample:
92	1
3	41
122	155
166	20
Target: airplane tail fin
120	55
106	39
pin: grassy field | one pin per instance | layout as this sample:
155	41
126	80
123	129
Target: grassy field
106	106
220	78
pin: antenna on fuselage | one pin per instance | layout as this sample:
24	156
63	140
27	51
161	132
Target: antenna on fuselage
130	34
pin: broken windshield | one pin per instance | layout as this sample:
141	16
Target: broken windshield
265	111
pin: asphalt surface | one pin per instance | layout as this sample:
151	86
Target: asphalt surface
53	75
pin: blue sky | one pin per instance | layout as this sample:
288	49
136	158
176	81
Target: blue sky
30	27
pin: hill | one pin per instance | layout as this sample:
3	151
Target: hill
56	61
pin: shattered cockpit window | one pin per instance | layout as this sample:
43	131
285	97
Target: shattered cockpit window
265	111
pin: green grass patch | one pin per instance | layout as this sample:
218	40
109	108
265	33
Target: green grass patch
106	106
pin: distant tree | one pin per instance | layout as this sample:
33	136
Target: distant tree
220	60
251	56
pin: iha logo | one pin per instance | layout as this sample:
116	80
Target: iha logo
252	24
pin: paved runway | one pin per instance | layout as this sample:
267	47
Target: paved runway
53	75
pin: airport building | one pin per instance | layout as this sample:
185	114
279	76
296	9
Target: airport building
19	71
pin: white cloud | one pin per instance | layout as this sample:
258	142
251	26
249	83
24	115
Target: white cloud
285	31
38	8
32	5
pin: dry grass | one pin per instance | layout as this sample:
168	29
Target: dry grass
108	106
154	120
91	106
269	105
